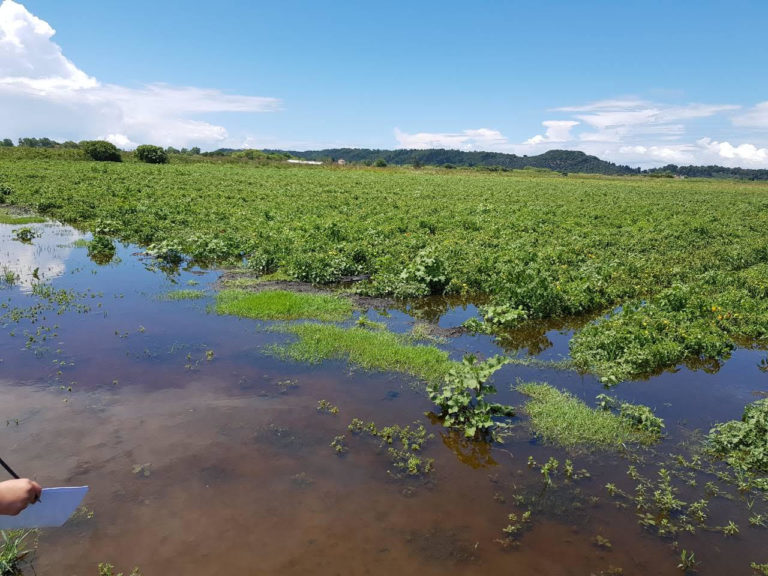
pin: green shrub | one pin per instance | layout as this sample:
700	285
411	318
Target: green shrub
101	151
151	154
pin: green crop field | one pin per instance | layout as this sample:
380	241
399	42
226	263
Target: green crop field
671	270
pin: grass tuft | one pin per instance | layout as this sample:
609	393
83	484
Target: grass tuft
283	305
562	419
379	350
184	295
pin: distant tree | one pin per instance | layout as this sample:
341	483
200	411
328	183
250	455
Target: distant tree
195	151
7	143
380	163
101	150
172	150
70	144
38	143
151	154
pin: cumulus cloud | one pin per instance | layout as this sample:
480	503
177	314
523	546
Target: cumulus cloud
44	93
479	139
741	155
557	131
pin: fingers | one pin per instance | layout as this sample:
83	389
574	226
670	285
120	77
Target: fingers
35	491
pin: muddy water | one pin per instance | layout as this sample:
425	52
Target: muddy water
205	455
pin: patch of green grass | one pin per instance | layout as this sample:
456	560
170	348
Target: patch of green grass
283	305
6	218
184	295
378	350
562	419
15	547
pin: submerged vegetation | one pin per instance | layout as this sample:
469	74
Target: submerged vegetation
371	350
283	305
562	419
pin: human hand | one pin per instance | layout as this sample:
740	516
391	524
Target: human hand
15	495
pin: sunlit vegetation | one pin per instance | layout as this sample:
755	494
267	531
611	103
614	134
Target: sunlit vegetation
562	419
682	264
744	443
283	305
461	397
371	350
15	549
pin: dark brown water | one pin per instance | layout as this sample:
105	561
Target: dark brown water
203	466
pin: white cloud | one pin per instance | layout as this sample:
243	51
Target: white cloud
747	155
479	139
756	117
557	131
622	119
44	93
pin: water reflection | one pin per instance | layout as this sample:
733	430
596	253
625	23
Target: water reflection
41	259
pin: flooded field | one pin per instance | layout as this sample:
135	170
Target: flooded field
207	454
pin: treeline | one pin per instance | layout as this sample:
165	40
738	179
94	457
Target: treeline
69	144
563	161
557	160
672	170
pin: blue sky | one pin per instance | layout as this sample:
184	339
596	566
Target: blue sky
641	83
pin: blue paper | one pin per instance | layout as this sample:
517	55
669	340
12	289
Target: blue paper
55	507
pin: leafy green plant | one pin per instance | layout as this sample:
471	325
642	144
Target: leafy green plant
427	270
743	443
761	569
503	315
461	397
688	561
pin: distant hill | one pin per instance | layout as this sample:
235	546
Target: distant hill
558	160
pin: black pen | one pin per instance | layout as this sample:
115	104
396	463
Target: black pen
16	476
9	469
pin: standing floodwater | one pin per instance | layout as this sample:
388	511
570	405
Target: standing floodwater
208	454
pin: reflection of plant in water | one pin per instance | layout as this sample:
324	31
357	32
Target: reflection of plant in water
17	546
461	398
467	451
101	249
